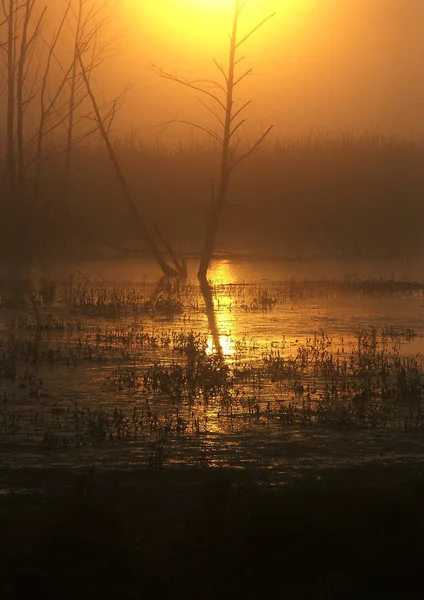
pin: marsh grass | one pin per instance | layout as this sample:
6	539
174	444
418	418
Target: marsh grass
137	372
317	195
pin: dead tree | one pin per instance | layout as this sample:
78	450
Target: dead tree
37	73
89	22
28	58
24	24
50	116
230	120
9	50
72	96
37	70
21	22
63	108
7	8
126	192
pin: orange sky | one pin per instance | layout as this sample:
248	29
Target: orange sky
319	64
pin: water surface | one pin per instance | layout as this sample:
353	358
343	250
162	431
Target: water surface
99	361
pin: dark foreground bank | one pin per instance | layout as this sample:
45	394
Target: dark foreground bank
213	533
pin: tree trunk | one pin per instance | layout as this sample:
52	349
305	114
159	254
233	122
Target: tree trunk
11	167
20	109
210	313
229	126
210	238
218	206
70	132
166	269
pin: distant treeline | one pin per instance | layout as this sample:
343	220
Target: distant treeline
348	196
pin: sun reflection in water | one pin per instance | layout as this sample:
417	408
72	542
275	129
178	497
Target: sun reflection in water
224	329
222	273
226	345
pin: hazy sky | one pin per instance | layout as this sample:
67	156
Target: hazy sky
320	64
317	65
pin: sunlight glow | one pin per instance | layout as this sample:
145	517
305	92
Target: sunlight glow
225	341
203	23
210	4
222	275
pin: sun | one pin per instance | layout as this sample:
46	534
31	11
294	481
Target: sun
200	24
185	21
212	4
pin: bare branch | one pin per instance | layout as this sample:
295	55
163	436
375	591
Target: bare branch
115	106
212	133
234	148
221	68
236	114
168	248
242	76
211	110
212	82
167	270
252	31
252	149
37	28
189	84
237	127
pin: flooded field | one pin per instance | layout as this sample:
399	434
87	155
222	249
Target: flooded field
289	366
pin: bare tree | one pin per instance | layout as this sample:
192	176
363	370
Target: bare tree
27	74
24	93
230	121
90	19
48	106
38	73
65	108
8	48
23	21
103	129
72	94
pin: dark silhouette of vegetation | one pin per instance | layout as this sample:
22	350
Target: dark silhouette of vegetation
45	112
21	24
230	119
57	88
345	196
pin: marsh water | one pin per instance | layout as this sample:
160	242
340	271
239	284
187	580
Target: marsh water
277	366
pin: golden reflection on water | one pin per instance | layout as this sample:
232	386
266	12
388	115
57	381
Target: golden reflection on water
225	344
219	306
222	273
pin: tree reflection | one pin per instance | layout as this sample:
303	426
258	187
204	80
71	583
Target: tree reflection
207	294
168	288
